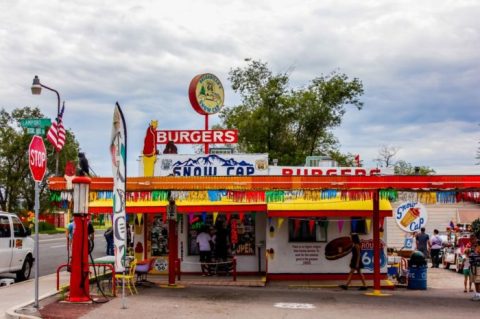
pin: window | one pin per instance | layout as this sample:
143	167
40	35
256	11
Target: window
158	236
240	232
18	229
307	230
358	225
4	227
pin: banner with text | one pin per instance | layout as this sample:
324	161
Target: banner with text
328	171
211	165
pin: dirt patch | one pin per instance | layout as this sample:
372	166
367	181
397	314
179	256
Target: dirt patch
55	308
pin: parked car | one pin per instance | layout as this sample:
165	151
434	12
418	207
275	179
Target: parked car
16	247
452	254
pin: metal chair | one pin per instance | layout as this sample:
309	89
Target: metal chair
128	278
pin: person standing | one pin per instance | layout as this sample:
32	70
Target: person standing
423	242
205	244
467	281
435	247
109	239
356	263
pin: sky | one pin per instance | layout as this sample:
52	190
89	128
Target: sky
419	62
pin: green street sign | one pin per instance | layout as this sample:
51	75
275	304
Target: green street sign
36	123
36	131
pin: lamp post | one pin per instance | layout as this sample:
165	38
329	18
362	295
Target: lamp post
79	281
37	90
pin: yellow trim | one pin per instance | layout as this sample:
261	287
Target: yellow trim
328	204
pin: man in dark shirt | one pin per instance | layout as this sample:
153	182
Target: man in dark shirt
423	242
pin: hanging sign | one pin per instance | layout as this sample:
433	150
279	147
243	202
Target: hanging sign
211	165
411	216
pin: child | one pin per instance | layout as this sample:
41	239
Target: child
466	270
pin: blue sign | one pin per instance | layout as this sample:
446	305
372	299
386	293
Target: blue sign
367	254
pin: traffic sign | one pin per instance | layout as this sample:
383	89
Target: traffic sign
37	158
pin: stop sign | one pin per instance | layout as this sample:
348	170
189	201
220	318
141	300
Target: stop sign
37	158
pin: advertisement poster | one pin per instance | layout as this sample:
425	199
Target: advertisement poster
411	216
211	165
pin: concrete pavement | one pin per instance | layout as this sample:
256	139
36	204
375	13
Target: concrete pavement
444	298
22	294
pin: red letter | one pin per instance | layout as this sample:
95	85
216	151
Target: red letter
360	172
287	171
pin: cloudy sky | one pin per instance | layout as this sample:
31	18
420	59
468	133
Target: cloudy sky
419	62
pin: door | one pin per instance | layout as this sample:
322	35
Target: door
18	252
5	244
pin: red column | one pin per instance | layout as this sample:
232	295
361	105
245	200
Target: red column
206	128
79	281
172	250
376	241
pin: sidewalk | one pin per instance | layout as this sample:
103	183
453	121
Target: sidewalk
21	294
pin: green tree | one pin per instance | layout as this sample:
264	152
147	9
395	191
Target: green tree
16	184
404	168
288	124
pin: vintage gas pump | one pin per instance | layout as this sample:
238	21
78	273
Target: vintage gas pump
79	281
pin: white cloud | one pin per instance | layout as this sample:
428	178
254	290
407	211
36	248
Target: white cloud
418	60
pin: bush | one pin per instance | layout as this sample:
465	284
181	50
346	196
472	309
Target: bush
44	226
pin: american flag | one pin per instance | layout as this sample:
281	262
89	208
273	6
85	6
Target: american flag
56	133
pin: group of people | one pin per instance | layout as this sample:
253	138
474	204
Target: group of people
430	246
470	259
212	242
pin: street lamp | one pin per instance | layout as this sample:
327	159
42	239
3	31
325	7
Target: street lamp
37	90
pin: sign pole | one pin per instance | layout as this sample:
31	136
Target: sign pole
37	266
37	162
206	129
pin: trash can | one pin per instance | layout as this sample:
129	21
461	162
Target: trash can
417	271
417	278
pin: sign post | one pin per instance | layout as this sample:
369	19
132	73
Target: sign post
37	161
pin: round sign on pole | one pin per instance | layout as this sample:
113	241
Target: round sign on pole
37	158
206	94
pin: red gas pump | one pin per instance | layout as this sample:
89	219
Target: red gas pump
79	279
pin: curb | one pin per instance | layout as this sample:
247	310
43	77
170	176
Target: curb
12	314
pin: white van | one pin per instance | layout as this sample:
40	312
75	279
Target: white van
16	247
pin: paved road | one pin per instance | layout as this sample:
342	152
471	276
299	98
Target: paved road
53	252
443	299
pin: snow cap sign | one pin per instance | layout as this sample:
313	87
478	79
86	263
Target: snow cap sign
411	216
